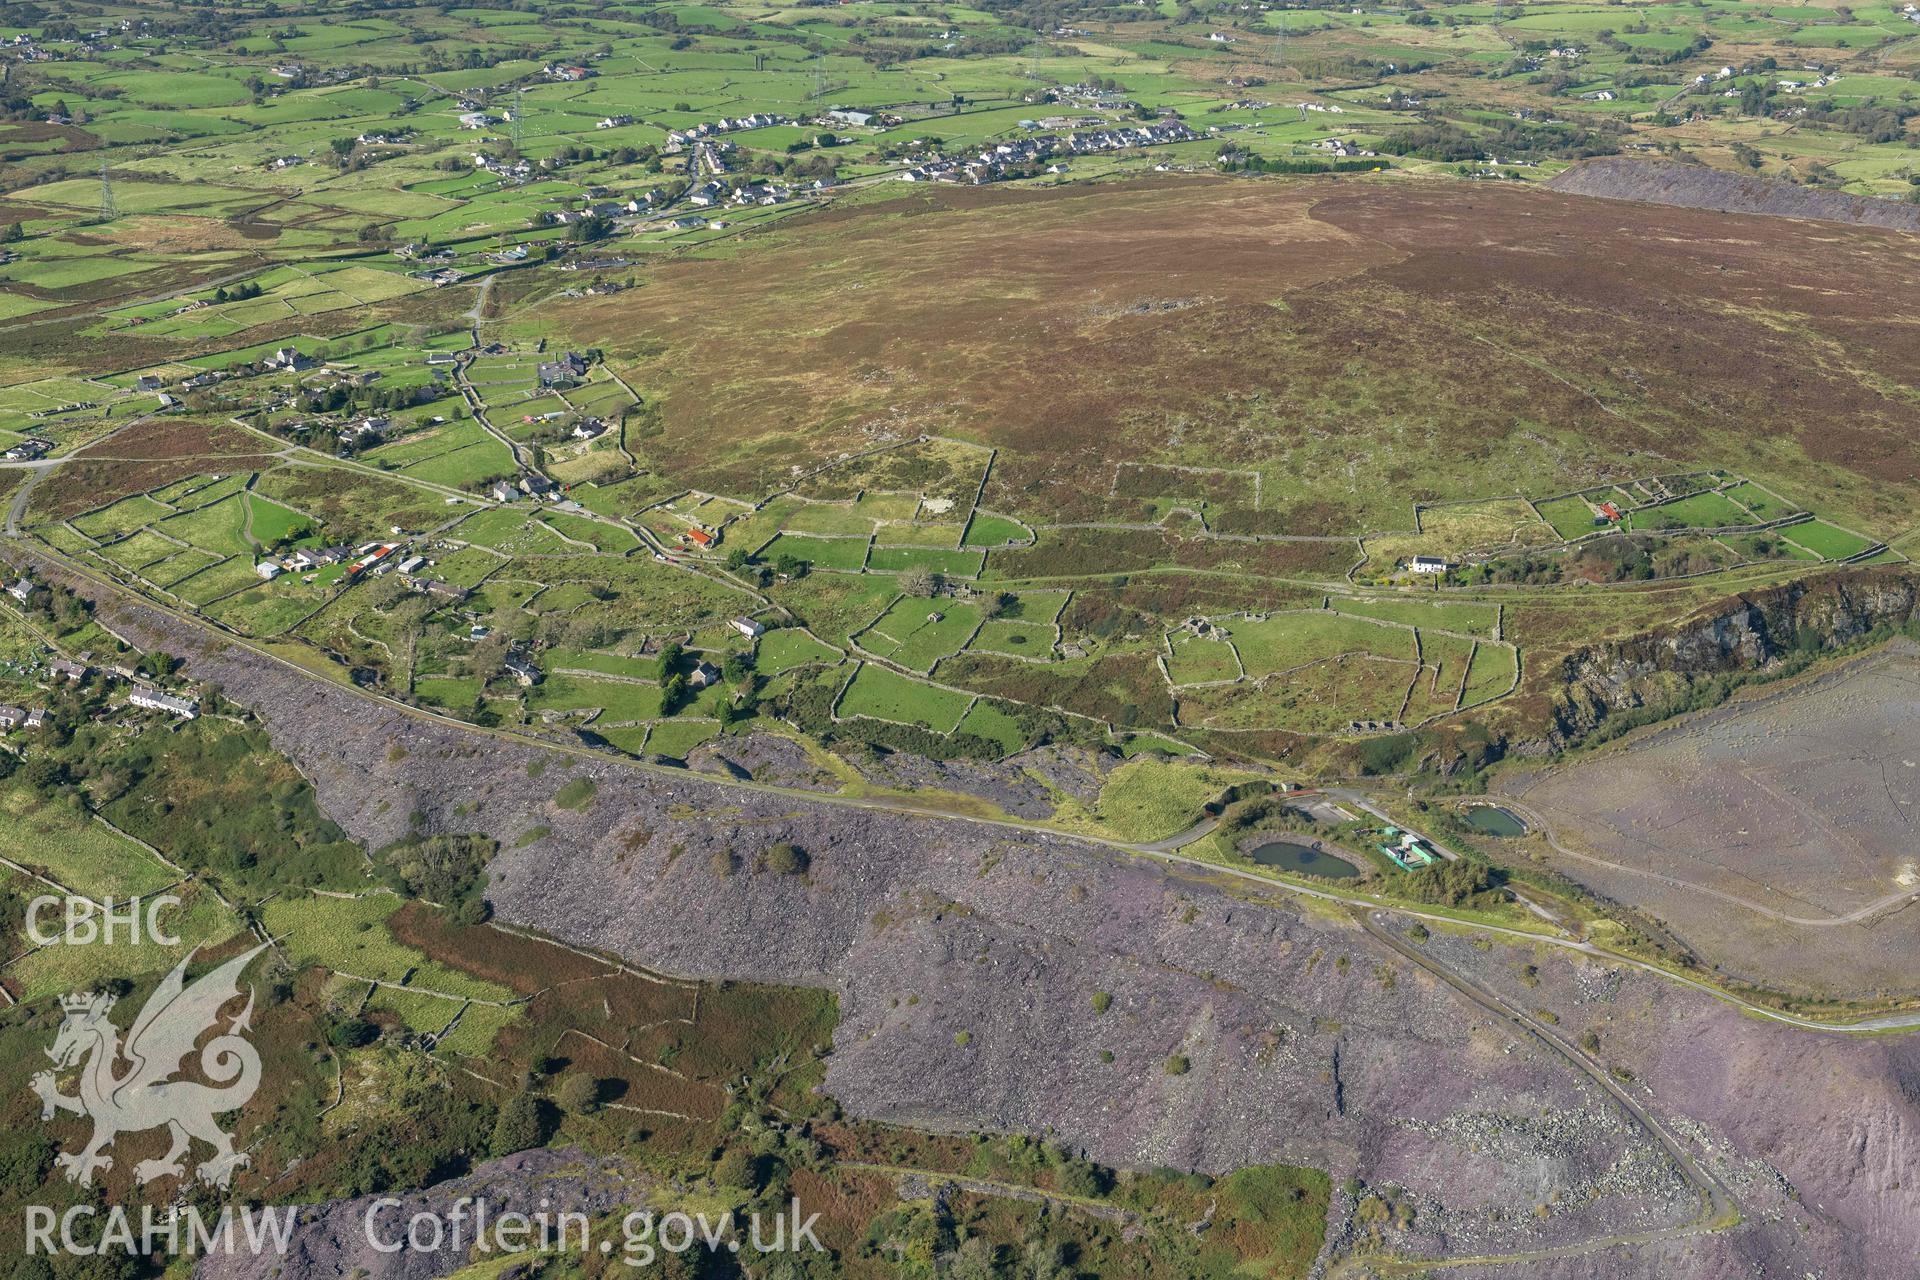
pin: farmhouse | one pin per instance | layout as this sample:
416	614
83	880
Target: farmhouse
73	672
565	371
20	590
1428	564
370	555
268	570
748	627
154	700
522	668
290	359
698	537
703	676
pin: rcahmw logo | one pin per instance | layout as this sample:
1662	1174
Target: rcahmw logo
86	922
160	1231
146	1096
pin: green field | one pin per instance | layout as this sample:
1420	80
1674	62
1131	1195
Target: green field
1825	540
823	553
886	695
82	854
784	649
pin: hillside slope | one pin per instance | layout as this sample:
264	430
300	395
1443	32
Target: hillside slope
1688	186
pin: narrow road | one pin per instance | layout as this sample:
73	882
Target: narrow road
17	508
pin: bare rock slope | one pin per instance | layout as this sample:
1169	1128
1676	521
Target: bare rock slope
1690	186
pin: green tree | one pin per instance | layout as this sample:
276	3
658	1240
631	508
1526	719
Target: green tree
918	580
578	1092
526	1121
785	860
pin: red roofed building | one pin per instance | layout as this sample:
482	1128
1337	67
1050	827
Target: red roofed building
699	537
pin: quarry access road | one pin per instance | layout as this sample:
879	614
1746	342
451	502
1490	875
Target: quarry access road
1719	1209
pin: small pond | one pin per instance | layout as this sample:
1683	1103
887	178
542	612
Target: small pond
1303	859
1495	821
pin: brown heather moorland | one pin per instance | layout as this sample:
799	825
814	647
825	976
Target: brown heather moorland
1366	343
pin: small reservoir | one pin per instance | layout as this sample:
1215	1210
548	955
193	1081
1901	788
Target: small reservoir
1495	821
1303	859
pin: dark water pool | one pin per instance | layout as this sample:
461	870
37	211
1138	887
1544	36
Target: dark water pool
1290	855
1495	821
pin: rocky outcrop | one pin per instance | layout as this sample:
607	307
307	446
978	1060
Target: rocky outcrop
1666	671
1690	186
355	1237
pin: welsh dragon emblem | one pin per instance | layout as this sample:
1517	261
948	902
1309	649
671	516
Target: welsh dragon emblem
144	1096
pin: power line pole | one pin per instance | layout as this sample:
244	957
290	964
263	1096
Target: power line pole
519	110
108	210
1280	43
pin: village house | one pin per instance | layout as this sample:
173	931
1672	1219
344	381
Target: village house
703	676
1428	564
522	668
565	371
290	360
11	718
20	590
748	627
153	700
71	672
